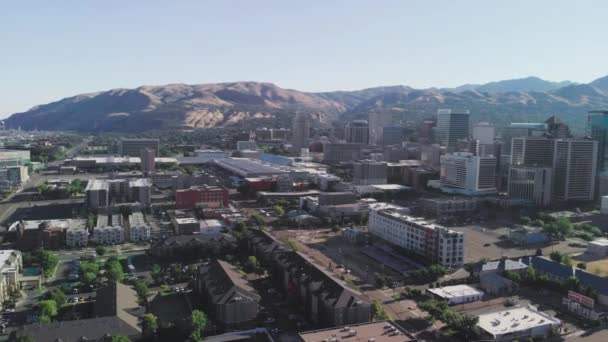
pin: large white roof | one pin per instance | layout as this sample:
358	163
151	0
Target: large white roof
513	320
455	291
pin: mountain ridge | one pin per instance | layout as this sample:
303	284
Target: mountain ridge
249	103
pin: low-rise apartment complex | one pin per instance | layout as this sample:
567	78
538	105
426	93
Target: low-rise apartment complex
435	242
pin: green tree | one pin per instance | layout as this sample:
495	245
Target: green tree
25	339
564	226
100	250
89	278
149	325
582	265
252	264
48	262
240	226
114	269
58	297
199	323
279	210
378	313
91	220
120	338
525	220
141	288
556	256
293	245
156	273
47	310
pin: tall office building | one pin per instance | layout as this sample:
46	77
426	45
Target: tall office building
300	133
392	135
133	147
575	170
465	173
147	160
532	151
598	125
357	132
369	172
521	129
452	126
532	183
484	132
557	129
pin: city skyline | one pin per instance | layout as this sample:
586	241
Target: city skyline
65	49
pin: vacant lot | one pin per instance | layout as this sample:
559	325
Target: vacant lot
493	244
599	267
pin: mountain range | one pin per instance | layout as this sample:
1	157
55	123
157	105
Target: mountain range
182	106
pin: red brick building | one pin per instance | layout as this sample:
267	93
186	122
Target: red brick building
205	194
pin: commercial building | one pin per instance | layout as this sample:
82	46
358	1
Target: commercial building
11	264
448	207
109	235
437	243
212	227
48	234
369	172
14	157
102	193
334	153
76	237
532	183
532	151
451	127
204	194
527	235
245	167
147	156
246	145
133	147
521	129
185	225
379	331
392	135
557	129
13	176
232	301
357	132
598	248
516	324
324	299
456	294
484	133
300	133
575	169
430	155
465	173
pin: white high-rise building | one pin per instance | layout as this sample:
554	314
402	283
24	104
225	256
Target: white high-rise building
465	173
484	132
437	243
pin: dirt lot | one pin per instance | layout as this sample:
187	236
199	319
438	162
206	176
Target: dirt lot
480	242
599	267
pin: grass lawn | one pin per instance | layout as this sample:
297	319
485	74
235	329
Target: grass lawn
599	267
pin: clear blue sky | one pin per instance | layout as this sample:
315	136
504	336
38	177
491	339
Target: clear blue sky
54	49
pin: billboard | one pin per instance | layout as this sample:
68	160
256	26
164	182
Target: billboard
577	297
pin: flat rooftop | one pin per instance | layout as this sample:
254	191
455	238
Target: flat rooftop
383	331
54	224
399	213
246	167
600	242
186	220
455	291
513	320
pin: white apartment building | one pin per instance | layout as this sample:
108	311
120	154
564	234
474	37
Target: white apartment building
140	232
77	237
439	244
467	174
11	265
109	235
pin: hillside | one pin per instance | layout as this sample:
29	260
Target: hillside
252	104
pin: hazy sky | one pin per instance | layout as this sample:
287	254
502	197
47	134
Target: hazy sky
54	49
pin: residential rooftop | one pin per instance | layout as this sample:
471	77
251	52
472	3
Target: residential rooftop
53	224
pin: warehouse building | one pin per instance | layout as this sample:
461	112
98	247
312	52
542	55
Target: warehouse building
516	324
457	294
